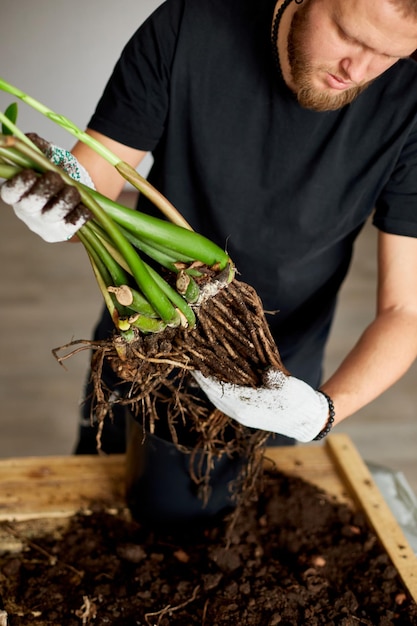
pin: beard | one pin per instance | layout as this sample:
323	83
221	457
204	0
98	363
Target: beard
303	71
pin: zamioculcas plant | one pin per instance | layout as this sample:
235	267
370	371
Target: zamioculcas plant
173	297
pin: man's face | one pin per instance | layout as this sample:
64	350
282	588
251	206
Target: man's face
338	47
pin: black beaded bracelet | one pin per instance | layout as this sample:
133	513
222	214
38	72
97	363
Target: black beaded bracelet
330	421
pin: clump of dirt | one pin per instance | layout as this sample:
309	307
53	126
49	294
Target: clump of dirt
295	557
231	341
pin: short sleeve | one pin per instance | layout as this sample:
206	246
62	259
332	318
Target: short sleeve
134	105
396	208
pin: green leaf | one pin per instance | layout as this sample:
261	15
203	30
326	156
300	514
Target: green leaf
11	114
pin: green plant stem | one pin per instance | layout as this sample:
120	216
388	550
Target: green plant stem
189	245
100	266
175	297
8	171
107	251
90	239
141	305
163	257
147	285
147	325
171	236
128	172
15	156
98	273
143	322
112	272
121	229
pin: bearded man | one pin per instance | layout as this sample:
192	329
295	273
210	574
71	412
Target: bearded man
278	129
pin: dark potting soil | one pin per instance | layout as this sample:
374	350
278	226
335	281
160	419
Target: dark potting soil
296	557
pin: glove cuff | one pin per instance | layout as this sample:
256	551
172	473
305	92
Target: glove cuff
329	424
67	161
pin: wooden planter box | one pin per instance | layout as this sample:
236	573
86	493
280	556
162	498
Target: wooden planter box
36	492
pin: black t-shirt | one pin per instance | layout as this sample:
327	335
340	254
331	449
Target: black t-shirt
286	190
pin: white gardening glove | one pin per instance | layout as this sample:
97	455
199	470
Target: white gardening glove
48	206
284	405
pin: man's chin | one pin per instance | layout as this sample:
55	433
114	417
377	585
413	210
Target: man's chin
326	100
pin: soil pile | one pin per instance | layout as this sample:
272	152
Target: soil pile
295	557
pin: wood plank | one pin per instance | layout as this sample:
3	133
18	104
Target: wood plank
41	487
358	479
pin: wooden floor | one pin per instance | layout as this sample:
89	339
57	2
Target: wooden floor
49	298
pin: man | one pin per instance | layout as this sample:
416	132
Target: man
278	129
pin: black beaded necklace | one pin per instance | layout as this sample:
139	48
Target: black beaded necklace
275	28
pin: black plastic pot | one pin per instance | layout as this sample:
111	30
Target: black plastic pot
160	490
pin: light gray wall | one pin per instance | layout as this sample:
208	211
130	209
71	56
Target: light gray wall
62	52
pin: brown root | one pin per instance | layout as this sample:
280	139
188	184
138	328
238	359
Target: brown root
231	342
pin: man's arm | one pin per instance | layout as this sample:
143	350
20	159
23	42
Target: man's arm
106	178
388	346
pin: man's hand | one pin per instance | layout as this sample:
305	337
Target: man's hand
284	405
48	206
